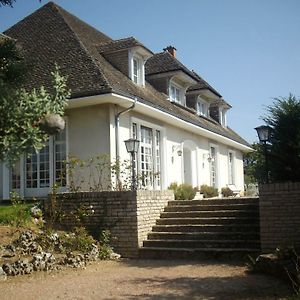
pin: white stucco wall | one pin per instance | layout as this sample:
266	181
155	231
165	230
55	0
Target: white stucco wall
88	135
175	139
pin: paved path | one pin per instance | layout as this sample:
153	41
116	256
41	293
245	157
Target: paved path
146	279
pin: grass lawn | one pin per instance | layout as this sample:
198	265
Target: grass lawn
15	214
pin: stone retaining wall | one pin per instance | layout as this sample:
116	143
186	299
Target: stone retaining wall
129	215
279	215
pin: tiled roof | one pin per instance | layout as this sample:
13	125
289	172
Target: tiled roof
202	84
164	62
121	44
52	35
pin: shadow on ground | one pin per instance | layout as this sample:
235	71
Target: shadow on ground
216	287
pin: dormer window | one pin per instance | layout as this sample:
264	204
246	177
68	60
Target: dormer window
174	93
202	107
223	117
137	69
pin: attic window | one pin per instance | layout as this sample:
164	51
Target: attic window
223	117
137	69
202	107
174	94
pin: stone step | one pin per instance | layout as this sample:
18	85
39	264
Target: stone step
205	228
218	201
203	236
217	221
197	253
214	213
255	244
212	207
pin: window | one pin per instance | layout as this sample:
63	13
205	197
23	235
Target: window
38	169
175	94
223	119
137	69
202	108
213	166
148	160
230	167
39	166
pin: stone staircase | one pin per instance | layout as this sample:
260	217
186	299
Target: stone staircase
205	228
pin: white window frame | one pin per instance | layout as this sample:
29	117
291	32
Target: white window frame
141	123
202	104
231	167
41	191
178	88
216	165
223	116
139	77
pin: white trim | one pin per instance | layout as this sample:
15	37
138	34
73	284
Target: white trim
233	166
217	171
133	55
158	114
154	127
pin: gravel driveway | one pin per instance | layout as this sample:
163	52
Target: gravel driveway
146	279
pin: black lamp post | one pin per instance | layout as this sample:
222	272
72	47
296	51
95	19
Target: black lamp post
264	135
132	147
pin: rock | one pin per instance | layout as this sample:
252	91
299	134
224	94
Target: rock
115	256
36	212
20	267
3	275
75	260
43	261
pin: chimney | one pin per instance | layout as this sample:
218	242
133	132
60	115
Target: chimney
171	50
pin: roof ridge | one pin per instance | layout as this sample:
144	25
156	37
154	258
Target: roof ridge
82	46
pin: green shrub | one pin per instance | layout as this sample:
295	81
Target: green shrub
78	240
227	192
105	250
183	191
208	191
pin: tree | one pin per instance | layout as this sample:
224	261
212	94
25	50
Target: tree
23	113
254	165
283	116
8	2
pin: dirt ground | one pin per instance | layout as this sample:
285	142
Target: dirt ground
146	279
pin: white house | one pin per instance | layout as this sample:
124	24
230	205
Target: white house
120	89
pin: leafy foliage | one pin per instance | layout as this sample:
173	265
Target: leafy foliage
8	2
208	191
227	192
21	111
284	152
182	191
254	165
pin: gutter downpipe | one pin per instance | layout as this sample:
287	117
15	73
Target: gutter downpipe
117	141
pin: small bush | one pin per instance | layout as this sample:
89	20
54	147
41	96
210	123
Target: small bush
208	191
105	250
78	240
183	191
227	192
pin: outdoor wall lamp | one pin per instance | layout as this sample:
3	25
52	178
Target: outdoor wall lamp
132	147
177	149
264	136
207	156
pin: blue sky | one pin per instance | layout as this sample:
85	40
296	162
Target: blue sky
249	51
